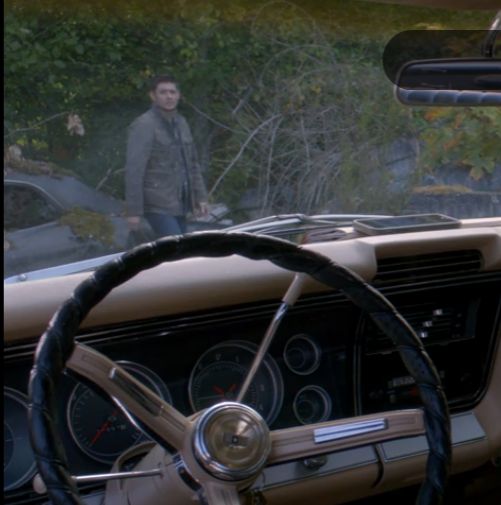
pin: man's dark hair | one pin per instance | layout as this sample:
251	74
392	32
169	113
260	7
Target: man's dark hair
162	78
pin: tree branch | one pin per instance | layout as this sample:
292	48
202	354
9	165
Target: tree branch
240	152
211	119
36	125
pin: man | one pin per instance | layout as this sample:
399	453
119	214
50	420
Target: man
163	178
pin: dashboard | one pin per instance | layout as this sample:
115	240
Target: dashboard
328	361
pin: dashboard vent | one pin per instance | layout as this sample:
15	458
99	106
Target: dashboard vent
428	267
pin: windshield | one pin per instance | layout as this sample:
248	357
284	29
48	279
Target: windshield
127	121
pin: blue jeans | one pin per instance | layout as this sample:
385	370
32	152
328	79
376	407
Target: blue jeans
164	224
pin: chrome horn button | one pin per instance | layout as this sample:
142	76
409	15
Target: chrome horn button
231	441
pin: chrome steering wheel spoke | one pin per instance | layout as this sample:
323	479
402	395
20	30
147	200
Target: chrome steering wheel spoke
288	300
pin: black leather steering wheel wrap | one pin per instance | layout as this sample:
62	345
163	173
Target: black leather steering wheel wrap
57	343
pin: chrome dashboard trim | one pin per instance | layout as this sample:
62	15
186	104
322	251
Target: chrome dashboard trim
347	430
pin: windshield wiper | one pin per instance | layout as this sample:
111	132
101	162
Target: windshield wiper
281	225
289	224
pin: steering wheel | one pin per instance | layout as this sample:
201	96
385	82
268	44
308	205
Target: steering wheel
220	451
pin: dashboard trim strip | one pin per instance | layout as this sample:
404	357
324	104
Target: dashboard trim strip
287	473
465	429
347	430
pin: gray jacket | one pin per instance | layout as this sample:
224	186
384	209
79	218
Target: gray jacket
162	166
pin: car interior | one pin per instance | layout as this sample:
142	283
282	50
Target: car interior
238	368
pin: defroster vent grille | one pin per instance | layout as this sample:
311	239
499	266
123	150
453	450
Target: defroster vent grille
428	267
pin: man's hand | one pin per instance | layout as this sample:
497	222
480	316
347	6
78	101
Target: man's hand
133	222
202	209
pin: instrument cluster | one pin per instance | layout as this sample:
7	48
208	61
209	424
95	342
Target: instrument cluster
327	361
293	385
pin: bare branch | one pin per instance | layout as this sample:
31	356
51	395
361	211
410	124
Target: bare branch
240	152
211	119
108	174
269	164
36	125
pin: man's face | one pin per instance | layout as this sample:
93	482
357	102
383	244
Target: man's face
166	96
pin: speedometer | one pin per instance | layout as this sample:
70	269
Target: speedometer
98	426
220	372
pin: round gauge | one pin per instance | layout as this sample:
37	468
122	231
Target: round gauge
312	404
18	459
220	372
302	354
98	426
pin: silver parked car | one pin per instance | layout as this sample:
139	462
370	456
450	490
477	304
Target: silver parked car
66	221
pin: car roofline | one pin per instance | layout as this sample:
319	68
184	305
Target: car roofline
38	188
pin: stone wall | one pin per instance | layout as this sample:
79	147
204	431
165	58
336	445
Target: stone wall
460	205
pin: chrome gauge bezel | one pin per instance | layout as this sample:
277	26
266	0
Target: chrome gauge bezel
144	374
270	367
323	396
307	345
27	473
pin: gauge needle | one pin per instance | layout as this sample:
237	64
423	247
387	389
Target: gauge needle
103	428
221	392
218	390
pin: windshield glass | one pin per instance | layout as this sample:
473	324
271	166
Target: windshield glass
126	121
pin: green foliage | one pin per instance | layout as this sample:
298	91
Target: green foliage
439	189
293	101
86	224
466	137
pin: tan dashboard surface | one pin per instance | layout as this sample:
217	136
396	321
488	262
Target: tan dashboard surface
205	283
201	283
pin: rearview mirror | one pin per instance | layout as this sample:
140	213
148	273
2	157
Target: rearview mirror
450	82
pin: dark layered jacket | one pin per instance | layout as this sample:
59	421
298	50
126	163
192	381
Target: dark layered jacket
162	169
